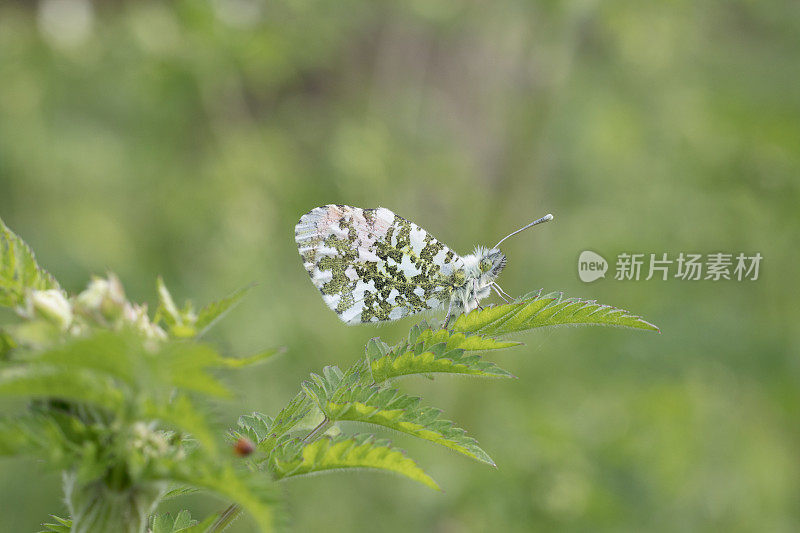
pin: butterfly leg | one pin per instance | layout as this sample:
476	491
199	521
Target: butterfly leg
449	315
500	294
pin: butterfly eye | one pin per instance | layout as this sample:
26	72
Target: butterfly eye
486	265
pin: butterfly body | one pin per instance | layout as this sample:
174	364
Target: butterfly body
372	265
481	269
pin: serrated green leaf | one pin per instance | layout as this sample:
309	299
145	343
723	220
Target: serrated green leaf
185	366
535	311
201	527
251	490
430	351
435	360
322	388
18	270
127	357
392	409
183	520
162	523
178	491
179	322
186	323
165	523
167	311
25	435
111	370
266	431
296	458
255	427
64	525
182	413
376	348
213	312
75	384
468	342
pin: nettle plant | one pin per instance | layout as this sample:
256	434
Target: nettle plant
119	401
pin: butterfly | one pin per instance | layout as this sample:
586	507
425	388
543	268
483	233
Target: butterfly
372	265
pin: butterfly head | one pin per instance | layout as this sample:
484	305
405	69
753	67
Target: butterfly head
487	263
491	261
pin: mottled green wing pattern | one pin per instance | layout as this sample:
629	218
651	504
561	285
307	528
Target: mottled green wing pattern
372	265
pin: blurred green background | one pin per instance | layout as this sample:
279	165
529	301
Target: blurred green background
187	138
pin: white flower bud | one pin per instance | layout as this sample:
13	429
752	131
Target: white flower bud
52	306
136	316
103	299
92	297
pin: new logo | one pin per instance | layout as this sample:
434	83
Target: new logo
591	266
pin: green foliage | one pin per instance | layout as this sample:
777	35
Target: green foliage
188	136
392	409
297	457
182	523
19	271
62	525
535	310
428	352
187	322
266	431
211	313
361	393
117	401
166	523
159	523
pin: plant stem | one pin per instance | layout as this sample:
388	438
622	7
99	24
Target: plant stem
321	427
228	515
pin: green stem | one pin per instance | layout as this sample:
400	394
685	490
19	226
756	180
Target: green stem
321	427
226	517
97	508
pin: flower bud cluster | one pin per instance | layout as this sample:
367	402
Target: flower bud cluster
101	305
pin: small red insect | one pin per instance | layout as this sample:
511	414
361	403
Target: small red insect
244	447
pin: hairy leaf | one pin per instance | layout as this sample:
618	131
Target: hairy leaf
251	490
185	323
321	388
423	336
296	458
392	409
63	525
267	431
67	383
180	323
180	523
19	270
182	413
535	311
201	527
34	434
403	360
178	491
213	312
127	357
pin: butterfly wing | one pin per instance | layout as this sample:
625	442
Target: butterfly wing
372	265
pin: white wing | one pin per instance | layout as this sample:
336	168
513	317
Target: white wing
372	265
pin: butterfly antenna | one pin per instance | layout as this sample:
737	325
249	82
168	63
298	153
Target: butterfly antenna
545	218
